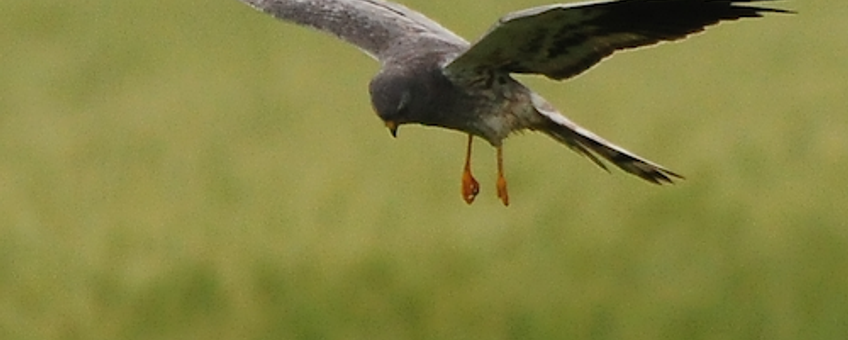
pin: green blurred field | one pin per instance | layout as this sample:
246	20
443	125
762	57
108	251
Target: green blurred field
196	170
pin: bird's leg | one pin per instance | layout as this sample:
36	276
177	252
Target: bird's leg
470	187
502	194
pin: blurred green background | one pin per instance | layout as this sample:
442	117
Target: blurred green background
197	170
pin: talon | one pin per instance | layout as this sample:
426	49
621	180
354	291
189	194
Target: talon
470	186
502	193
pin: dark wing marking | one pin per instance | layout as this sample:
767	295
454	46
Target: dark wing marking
375	26
563	40
587	143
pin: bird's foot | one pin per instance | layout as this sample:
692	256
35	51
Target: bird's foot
470	187
502	194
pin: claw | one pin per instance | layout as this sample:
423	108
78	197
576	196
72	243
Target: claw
470	186
502	193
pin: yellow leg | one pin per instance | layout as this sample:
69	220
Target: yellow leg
502	194
470	187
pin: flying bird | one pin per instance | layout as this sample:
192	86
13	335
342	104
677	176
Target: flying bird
431	76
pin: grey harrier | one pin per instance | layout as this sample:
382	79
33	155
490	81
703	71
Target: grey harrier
431	76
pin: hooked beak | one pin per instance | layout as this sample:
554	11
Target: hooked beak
393	126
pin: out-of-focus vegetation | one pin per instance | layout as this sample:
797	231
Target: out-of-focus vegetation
197	170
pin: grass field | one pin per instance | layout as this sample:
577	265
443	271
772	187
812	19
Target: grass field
196	170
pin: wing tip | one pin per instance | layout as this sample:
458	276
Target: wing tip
661	176
645	170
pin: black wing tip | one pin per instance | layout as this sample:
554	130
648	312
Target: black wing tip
758	12
653	173
644	169
755	10
661	177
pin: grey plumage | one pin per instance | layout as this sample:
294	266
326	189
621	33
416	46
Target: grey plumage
431	76
379	28
563	40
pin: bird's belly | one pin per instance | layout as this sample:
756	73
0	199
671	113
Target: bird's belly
490	107
510	114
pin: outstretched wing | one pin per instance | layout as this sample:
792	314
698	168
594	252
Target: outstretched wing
563	40
375	26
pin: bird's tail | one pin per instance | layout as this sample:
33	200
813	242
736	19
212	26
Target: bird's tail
591	145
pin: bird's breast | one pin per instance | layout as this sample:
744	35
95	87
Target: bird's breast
504	108
487	105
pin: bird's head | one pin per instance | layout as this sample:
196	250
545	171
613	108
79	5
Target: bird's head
398	99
